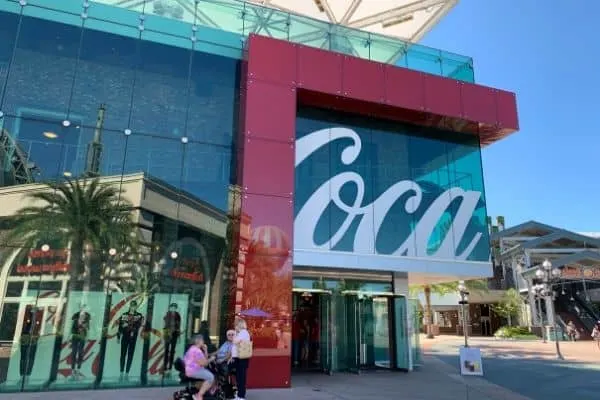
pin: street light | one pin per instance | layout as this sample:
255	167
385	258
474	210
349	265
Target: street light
549	276
464	303
536	291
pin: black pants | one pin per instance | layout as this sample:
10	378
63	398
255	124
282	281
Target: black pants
170	345
241	373
127	350
77	345
27	358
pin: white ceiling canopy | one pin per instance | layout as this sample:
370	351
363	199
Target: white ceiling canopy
409	20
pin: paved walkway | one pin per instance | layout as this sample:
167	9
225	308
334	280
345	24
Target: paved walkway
436	380
532	368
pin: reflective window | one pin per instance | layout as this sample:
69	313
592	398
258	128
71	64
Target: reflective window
373	187
115	175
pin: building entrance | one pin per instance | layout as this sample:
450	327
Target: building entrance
312	337
337	329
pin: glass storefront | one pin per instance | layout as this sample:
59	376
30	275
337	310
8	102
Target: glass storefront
350	325
116	176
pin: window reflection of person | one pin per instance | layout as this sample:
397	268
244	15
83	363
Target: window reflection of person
129	327
171	333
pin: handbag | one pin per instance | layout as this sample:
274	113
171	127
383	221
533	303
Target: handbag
244	349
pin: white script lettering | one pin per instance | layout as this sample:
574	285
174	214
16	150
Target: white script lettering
374	214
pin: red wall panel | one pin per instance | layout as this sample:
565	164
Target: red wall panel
272	61
267	169
319	69
442	96
269	114
479	104
404	88
363	80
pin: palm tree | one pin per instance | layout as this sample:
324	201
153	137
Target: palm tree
442	289
89	215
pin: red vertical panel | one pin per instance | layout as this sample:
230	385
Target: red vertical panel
442	96
404	88
269	167
506	109
268	286
264	278
270	111
320	70
271	60
478	103
363	80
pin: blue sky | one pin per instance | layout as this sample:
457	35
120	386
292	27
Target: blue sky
549	170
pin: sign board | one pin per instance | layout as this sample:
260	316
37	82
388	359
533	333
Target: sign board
470	361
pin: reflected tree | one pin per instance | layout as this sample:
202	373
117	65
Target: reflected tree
86	213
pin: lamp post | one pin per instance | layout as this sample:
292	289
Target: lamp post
537	292
549	276
464	303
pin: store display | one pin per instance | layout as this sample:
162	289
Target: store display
129	329
79	331
171	332
122	362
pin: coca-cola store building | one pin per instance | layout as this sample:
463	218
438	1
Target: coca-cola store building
160	176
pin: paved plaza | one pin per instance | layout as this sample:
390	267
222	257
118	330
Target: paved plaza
513	371
532	368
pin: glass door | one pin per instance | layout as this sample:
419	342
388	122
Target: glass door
381	328
367	332
353	329
401	340
327	334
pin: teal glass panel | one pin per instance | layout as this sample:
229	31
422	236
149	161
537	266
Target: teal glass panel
401	339
351	351
124	352
326	334
8	33
382	352
415	332
388	51
266	21
465	169
392	150
129	16
394	189
349	41
82	334
429	170
107	69
309	32
49	45
423	59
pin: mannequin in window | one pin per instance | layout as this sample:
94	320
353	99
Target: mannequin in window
30	334
171	333
79	331
129	327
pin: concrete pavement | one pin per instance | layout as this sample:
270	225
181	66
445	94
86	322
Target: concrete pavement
436	380
531	367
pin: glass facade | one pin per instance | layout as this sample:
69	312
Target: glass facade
121	221
116	163
226	23
372	187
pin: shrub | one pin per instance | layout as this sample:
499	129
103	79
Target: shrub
513	332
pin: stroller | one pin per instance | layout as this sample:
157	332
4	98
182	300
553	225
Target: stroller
222	390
